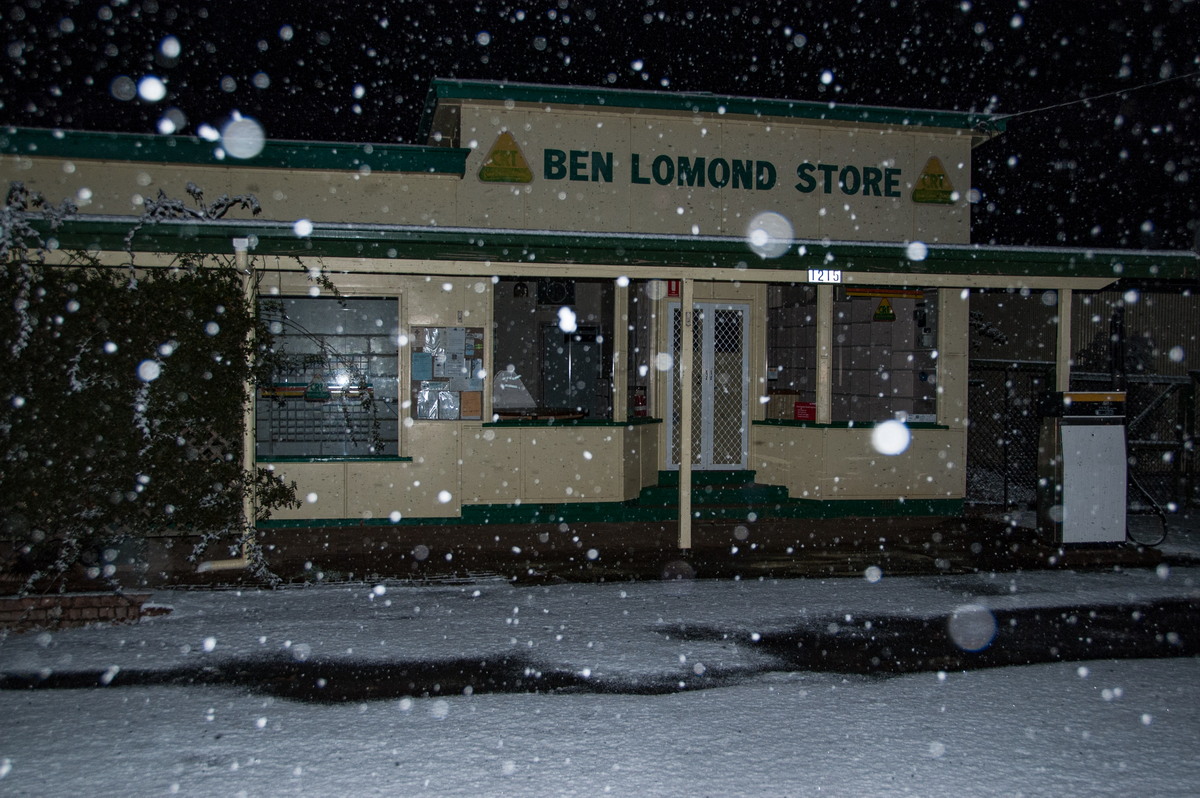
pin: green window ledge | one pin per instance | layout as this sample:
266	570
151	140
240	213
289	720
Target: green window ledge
346	459
573	422
778	422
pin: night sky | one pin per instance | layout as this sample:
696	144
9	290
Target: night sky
1119	170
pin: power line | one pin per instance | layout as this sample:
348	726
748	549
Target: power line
1097	97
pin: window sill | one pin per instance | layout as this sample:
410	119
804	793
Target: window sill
335	459
778	422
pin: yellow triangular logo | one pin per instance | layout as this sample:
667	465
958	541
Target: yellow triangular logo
884	312
505	163
934	185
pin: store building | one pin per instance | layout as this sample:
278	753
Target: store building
569	301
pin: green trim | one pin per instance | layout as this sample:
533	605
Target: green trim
382	458
783	422
140	147
491	247
669	478
571	422
447	89
631	512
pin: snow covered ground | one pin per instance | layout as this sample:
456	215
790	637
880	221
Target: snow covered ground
741	724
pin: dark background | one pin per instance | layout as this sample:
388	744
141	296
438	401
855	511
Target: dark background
1119	169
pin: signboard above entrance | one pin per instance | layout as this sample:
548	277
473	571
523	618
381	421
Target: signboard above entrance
615	162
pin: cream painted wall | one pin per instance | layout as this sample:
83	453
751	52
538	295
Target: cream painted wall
543	463
428	486
119	188
492	464
565	464
320	487
840	463
641	458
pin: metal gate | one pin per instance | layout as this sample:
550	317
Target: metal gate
720	384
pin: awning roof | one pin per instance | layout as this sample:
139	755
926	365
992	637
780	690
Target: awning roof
492	247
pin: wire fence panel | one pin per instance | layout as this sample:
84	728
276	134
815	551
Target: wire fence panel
1160	429
1004	423
1002	435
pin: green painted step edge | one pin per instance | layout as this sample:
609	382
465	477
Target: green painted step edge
759	495
668	479
713	489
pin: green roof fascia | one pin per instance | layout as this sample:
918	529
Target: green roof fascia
391	242
140	147
690	102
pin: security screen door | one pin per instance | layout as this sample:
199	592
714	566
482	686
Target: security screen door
720	384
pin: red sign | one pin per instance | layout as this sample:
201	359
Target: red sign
805	411
672	288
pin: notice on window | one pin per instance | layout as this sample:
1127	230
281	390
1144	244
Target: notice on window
422	366
447	373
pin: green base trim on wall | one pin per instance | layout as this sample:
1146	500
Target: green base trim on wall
631	512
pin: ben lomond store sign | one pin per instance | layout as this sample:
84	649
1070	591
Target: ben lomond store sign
506	163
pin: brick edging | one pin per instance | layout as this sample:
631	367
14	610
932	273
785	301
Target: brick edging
63	610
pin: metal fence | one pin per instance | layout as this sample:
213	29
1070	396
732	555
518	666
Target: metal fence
1002	432
1002	441
1160	428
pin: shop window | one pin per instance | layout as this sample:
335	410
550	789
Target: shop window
792	351
552	355
333	389
884	354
